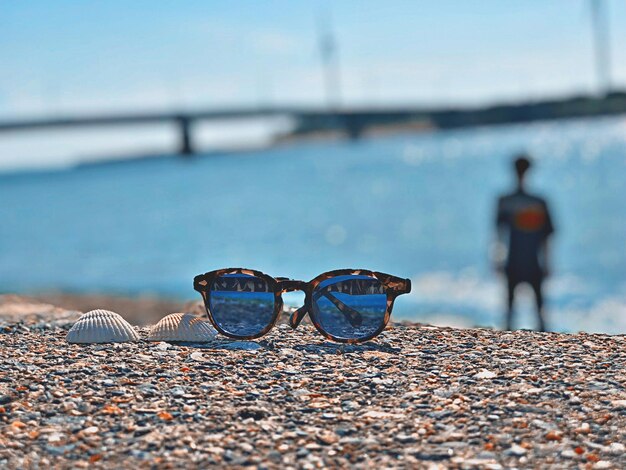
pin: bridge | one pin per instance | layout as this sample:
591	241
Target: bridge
353	122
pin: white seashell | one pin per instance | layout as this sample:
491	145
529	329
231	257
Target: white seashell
101	326
182	327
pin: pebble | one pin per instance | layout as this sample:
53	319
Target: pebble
569	454
405	438
4	399
197	356
485	374
603	464
516	450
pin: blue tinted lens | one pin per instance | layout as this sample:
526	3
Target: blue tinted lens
350	307
241	304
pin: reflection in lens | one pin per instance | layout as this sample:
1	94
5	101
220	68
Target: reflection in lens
350	307
241	304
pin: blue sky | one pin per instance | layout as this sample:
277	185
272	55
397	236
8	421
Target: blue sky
64	57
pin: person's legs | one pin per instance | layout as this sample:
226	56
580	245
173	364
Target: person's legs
536	286
509	305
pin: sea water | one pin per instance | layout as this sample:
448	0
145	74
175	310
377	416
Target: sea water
417	205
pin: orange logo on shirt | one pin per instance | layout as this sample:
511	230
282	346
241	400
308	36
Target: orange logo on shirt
530	219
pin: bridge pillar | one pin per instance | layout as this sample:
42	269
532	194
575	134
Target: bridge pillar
354	126
186	144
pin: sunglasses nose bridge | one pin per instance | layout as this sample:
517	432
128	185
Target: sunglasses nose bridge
290	285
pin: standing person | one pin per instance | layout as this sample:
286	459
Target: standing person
524	226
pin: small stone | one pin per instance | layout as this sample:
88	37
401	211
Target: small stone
197	356
254	413
302	452
165	416
405	438
583	429
485	374
349	405
60	450
327	437
246	447
434	456
376	414
516	450
5	399
55	437
603	464
553	436
177	391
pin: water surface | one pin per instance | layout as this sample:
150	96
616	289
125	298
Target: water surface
418	206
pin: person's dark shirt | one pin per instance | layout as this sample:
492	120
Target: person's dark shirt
527	222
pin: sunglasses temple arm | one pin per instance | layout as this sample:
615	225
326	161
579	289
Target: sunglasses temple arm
297	317
354	317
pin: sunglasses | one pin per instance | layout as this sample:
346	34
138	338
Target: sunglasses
347	305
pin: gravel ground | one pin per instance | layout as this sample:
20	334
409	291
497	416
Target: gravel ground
417	397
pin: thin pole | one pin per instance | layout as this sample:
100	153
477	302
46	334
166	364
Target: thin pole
330	62
602	50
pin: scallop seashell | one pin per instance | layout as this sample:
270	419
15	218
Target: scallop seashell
182	327
101	326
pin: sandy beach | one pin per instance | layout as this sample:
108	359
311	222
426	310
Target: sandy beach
140	311
417	397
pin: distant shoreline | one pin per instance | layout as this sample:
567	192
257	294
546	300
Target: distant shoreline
357	122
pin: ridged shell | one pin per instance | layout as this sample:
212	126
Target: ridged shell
182	327
101	326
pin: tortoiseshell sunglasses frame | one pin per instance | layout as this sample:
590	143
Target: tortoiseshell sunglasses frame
392	285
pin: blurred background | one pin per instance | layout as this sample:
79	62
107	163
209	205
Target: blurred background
143	143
